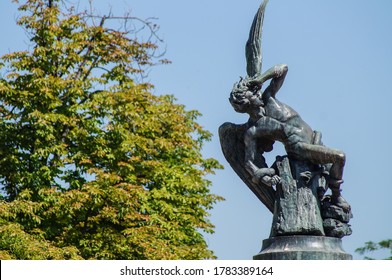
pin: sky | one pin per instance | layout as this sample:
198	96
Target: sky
339	54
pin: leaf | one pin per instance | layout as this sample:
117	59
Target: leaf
93	164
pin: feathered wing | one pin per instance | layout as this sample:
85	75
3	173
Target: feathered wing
232	142
253	49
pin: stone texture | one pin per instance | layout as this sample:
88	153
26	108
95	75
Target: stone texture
335	219
332	211
297	208
336	228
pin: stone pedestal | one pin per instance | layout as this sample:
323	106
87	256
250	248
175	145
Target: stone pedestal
302	247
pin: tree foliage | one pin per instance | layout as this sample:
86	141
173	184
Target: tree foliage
371	247
92	164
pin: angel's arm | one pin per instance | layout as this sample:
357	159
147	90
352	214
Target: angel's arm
276	73
279	74
263	174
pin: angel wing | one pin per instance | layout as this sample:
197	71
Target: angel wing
232	142
253	49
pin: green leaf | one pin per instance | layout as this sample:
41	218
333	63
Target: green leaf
93	165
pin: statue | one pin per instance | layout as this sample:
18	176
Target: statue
294	187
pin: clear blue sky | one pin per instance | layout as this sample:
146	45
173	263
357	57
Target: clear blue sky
339	55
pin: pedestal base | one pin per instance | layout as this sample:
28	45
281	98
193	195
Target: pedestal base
302	247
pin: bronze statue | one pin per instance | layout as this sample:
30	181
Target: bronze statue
271	120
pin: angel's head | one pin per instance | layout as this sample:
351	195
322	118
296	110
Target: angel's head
244	97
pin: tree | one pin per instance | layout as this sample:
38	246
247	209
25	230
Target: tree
92	164
371	247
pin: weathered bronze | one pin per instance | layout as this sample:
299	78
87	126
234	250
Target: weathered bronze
294	188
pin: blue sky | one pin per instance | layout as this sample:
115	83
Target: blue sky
339	54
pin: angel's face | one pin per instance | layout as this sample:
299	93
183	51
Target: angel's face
254	98
243	98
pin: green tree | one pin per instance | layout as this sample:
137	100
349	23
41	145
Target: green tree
92	164
371	247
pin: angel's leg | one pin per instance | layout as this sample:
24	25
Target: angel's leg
318	154
264	128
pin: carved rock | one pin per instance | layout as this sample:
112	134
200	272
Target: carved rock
335	219
328	210
336	228
297	209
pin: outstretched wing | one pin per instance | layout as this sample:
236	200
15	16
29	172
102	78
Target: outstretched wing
253	49
232	142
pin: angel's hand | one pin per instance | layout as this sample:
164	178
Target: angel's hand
261	172
275	180
271	181
280	69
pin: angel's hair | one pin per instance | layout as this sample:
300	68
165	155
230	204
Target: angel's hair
243	96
